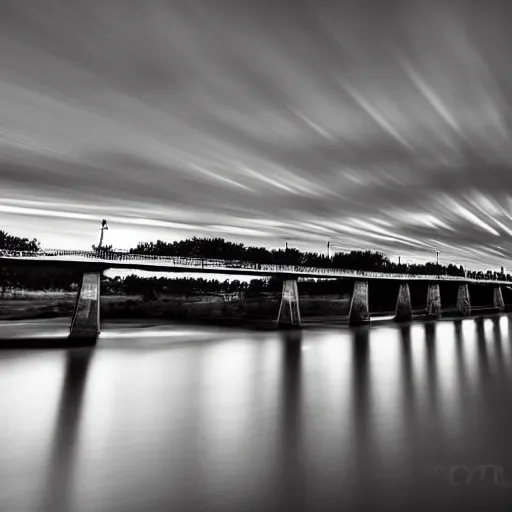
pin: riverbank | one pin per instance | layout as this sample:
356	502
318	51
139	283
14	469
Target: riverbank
197	308
258	313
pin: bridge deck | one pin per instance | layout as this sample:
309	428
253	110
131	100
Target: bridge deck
91	261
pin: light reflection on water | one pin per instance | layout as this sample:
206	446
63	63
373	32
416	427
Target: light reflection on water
256	421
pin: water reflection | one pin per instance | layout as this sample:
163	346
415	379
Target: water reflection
483	357
409	397
363	453
257	421
293	484
365	468
62	463
435	445
463	380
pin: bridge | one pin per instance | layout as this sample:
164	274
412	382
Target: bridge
86	317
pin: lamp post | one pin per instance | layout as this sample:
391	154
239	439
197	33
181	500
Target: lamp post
437	262
103	227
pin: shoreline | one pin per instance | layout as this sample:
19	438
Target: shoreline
255	314
325	322
58	337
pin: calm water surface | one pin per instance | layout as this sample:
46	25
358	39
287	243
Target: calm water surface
177	418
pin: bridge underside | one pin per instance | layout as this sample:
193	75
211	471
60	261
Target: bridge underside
85	325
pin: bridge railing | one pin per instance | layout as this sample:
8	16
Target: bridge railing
207	263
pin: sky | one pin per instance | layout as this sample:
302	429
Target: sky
382	125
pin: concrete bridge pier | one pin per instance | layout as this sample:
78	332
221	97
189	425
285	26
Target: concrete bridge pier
289	310
359	310
463	300
403	311
85	324
433	301
498	301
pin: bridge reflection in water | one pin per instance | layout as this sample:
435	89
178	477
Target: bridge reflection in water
404	416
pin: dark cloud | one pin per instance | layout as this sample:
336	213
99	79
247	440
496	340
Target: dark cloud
373	124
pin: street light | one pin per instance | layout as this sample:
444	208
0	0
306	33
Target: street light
103	227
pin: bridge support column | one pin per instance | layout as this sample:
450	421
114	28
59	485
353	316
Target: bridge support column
359	311
289	310
86	317
433	300
403	311
498	301
463	300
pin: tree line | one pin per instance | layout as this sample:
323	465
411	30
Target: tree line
213	248
218	248
32	278
15	243
136	285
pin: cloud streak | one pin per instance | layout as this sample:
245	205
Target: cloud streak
367	123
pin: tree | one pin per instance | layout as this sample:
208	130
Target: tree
103	248
14	243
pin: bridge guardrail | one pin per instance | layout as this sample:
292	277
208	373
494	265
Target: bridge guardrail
181	261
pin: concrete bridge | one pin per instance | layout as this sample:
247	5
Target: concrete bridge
86	317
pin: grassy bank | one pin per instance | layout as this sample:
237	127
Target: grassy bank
260	310
33	305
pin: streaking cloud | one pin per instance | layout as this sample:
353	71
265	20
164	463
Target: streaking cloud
369	124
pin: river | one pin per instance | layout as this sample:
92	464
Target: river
173	418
